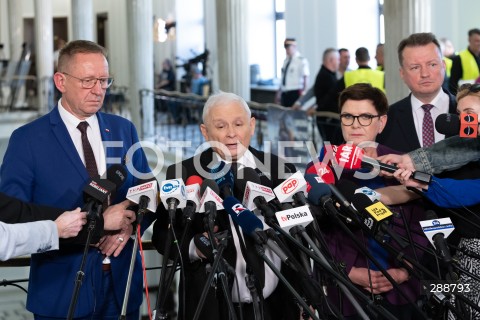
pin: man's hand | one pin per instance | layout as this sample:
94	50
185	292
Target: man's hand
70	223
117	217
114	242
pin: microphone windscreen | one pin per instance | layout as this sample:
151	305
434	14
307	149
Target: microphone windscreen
317	189
117	173
176	171
209	183
243	176
349	156
448	124
323	171
347	188
194	180
360	201
245	218
430	215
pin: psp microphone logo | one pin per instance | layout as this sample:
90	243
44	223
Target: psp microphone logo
435	223
368	192
238	208
289	185
171	187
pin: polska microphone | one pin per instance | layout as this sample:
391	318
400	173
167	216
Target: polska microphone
465	125
352	157
437	230
99	192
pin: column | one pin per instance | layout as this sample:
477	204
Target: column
140	44
402	18
15	26
232	50
44	53
82	20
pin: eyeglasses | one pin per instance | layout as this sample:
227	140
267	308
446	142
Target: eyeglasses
89	83
364	119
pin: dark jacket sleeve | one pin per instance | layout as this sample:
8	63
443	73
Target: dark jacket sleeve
13	210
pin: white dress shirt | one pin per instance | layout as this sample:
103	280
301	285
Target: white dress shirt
93	134
271	280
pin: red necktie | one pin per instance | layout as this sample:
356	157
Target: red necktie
428	134
90	162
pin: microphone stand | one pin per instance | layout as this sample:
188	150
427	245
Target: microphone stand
343	288
370	304
141	211
218	254
92	217
209	220
271	265
166	282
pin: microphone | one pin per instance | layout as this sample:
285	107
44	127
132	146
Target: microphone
292	189
223	178
145	195
101	191
193	193
323	171
317	189
437	230
253	227
351	157
210	199
465	125
299	216
173	195
255	194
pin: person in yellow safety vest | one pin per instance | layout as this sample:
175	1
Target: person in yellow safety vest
466	66
364	74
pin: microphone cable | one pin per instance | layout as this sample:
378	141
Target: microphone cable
144	271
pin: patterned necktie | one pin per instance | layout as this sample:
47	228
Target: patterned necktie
427	127
90	162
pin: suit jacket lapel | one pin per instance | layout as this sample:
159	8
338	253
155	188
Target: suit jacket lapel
65	141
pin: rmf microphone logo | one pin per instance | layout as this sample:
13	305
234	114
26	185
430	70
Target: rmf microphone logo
238	208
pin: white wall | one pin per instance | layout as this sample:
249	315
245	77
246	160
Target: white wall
453	19
314	24
261	36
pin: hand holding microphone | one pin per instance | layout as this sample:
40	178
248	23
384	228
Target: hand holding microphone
352	157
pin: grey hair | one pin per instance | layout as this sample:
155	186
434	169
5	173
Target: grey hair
222	99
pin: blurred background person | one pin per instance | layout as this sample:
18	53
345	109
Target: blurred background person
466	65
295	73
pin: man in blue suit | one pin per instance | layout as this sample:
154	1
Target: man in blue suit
46	162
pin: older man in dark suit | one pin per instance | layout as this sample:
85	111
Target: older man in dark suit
228	126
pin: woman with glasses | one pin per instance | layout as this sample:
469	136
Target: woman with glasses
464	195
363	114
